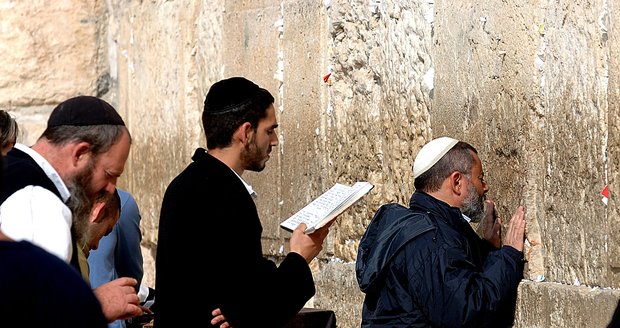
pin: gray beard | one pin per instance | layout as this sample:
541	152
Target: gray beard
473	206
81	205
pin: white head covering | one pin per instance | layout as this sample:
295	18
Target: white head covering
431	153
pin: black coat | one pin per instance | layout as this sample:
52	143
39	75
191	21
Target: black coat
208	217
426	267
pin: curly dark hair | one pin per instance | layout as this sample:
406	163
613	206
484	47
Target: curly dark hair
228	105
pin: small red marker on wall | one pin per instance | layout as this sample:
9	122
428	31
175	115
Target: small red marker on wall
605	194
326	77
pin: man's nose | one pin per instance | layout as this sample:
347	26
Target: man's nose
275	140
110	187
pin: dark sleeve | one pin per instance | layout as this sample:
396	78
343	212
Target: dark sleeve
455	293
258	293
70	299
219	231
48	290
276	297
486	247
179	251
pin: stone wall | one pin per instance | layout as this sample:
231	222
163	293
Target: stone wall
533	85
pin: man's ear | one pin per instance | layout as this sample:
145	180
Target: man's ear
81	152
243	133
457	182
96	215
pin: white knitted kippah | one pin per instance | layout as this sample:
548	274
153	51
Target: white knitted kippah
431	153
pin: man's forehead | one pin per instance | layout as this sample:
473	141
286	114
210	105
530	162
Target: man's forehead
110	163
113	160
477	166
270	118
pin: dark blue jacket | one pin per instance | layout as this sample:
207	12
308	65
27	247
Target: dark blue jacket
426	267
40	290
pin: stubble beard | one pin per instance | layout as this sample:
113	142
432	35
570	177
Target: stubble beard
253	157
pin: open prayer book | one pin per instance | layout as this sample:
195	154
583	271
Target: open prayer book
328	206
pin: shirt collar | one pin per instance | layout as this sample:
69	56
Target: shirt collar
48	169
466	218
247	186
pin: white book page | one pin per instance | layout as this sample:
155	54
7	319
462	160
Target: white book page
327	206
320	207
357	191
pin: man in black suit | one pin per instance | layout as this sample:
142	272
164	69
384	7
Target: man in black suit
208	214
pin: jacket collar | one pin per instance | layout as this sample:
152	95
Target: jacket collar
421	201
202	156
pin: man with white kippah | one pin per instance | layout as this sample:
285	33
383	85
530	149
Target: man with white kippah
424	266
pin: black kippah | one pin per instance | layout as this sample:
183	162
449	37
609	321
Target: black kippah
229	95
84	110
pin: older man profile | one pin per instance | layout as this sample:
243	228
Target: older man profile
82	152
424	266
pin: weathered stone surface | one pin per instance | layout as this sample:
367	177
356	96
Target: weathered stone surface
49	50
31	120
159	99
533	85
486	91
252	52
337	290
301	110
511	93
553	305
380	99
575	72
612	149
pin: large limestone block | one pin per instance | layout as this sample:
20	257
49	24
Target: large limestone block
304	168
251	51
613	147
160	99
32	121
49	50
337	290
532	99
574	76
552	305
379	100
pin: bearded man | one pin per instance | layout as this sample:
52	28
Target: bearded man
424	266
49	186
208	215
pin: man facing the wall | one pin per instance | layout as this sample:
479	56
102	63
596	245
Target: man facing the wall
424	266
